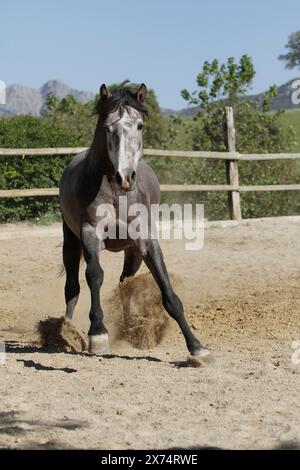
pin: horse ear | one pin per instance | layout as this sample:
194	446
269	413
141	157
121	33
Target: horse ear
141	93
104	93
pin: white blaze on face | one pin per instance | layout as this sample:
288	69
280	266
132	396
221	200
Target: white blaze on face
124	140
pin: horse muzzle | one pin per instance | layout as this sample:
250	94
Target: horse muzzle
126	179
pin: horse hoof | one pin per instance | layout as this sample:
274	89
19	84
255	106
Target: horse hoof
98	344
202	353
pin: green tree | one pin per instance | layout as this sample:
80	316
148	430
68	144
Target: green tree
80	118
292	57
221	85
222	81
76	118
257	131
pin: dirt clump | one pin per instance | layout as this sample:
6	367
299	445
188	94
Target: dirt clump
59	334
138	313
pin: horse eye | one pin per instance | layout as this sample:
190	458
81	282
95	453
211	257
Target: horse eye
140	126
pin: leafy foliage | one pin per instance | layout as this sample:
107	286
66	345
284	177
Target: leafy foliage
257	131
65	123
227	81
69	123
36	172
292	57
73	117
80	119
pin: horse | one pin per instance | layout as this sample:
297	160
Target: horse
112	167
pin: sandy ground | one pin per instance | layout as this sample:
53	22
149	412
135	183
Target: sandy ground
242	297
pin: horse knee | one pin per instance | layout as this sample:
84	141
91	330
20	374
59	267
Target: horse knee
94	274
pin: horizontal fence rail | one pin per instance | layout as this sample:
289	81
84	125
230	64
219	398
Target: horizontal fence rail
12	193
231	159
26	152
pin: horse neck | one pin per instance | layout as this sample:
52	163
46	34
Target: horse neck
98	159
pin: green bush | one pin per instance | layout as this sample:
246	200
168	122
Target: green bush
69	123
65	123
31	172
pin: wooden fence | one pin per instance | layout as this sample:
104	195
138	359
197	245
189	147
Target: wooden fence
231	159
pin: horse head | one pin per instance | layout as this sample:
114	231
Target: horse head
123	112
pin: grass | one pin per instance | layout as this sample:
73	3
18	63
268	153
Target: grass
292	118
48	218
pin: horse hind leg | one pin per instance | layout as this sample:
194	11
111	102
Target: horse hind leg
132	263
71	259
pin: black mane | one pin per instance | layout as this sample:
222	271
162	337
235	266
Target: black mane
120	98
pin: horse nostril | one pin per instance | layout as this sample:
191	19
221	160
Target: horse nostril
119	178
133	176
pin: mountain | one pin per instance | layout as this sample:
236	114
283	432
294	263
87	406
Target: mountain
283	100
25	100
61	90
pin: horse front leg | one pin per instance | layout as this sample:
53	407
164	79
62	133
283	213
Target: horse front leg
153	257
71	259
91	246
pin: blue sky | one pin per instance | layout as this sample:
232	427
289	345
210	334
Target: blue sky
160	42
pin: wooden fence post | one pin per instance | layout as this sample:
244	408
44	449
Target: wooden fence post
232	171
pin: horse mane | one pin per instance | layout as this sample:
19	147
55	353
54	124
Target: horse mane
120	98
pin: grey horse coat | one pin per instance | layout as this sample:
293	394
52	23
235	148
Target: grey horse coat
113	167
